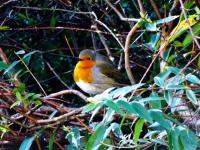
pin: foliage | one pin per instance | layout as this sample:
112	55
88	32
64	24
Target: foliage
40	42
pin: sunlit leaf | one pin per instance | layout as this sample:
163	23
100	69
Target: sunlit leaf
181	28
138	129
141	111
158	117
26	144
188	39
191	96
159	81
188	139
176	87
125	105
125	90
192	78
166	20
115	107
95	139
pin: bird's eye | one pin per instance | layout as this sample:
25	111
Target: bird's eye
88	58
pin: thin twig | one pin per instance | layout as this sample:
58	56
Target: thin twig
141	7
102	38
32	75
62	117
189	26
70	48
115	37
126	52
7	2
57	76
120	15
60	93
153	4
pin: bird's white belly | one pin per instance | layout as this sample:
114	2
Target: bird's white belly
89	87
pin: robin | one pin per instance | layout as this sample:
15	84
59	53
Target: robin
94	73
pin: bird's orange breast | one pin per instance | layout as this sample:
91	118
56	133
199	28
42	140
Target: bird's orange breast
83	71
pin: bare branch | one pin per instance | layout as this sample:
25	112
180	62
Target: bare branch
60	93
155	8
126	52
120	15
57	119
141	7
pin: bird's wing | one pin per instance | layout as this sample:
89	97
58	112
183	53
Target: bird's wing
110	71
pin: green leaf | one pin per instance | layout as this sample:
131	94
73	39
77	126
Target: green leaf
166	20
141	111
4	27
11	66
157	115
125	105
154	39
150	26
20	52
191	96
19	97
177	44
96	111
174	139
176	100
26	144
53	21
176	87
74	138
166	54
155	101
108	117
89	107
17	103
114	106
35	96
27	96
3	66
151	98
192	78
188	39
125	90
159	81
95	139
168	95
52	139
138	129
188	139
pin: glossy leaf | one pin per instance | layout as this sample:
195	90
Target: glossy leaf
26	144
125	90
192	78
176	87
141	111
159	81
115	107
188	139
125	105
138	129
89	107
95	139
166	20
188	39
158	117
191	96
